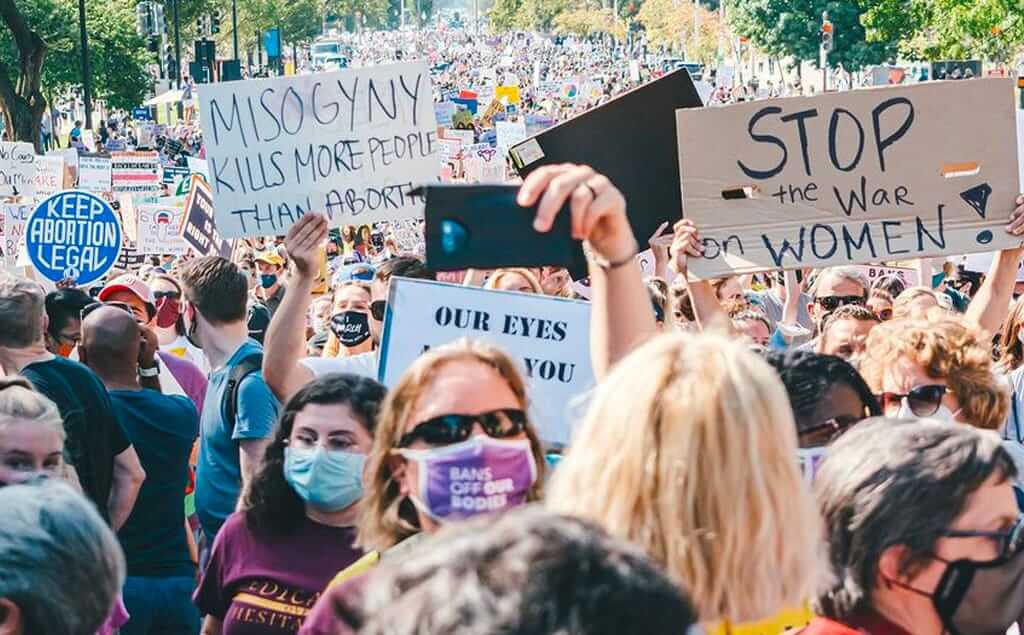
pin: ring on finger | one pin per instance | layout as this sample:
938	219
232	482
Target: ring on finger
593	192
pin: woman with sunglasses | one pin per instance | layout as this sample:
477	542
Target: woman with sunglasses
169	323
939	367
828	397
296	529
453	441
924	532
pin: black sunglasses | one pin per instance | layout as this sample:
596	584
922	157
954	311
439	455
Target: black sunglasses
377	309
833	302
827	432
449	429
90	308
1010	541
924	401
160	295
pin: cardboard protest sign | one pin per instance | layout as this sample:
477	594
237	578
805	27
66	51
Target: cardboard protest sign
198	166
464	136
49	178
641	121
73	234
135	172
93	173
509	134
549	336
352	143
910	277
15	216
198	228
17	169
129	217
844	178
159	227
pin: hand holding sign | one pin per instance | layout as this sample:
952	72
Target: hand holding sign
598	208
1016	226
685	243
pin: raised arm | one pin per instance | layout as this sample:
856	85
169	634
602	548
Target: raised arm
991	305
285	342
685	245
791	308
621	317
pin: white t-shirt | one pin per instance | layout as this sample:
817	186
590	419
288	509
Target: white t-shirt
1013	431
184	349
364	365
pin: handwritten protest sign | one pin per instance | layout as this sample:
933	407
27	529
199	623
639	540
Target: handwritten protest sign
135	172
73	234
158	230
14	218
351	143
198	230
17	169
548	335
94	173
49	178
509	134
861	176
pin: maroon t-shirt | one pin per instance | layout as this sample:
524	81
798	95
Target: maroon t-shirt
259	586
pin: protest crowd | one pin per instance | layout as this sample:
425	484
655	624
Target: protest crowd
219	420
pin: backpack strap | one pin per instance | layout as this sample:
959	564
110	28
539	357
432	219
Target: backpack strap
229	402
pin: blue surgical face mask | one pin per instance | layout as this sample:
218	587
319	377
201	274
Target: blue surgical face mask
330	480
268	280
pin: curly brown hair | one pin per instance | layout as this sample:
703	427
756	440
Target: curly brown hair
946	347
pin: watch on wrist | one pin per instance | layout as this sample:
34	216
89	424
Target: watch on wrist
149	372
606	264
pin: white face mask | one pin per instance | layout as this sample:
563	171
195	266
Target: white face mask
942	414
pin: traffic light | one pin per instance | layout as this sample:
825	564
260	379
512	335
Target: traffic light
215	25
159	24
152	44
826	35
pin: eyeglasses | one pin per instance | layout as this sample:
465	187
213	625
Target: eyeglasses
833	302
160	295
1010	541
90	308
827	432
924	401
449	429
377	309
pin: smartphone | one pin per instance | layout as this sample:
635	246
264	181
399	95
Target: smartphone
482	227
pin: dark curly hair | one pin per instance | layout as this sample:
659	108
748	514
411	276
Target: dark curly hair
272	507
808	376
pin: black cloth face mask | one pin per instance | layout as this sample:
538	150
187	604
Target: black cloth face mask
352	328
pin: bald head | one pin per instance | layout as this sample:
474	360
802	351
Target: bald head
110	342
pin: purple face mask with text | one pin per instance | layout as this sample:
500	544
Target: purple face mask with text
478	476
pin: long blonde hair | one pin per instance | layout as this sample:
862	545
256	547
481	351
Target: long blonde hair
531	279
386	517
689	450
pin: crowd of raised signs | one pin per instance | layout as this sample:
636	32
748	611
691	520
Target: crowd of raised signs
317	433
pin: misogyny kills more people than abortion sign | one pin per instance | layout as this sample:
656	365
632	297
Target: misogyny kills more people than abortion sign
351	144
853	177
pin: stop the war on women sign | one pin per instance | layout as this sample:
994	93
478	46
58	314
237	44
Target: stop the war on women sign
854	177
351	144
549	337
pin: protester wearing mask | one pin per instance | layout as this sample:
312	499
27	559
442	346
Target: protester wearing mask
349	325
238	416
169	324
63	310
284	367
176	376
828	397
457	417
924	532
296	528
270	287
938	367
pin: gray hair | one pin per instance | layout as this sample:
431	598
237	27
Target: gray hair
62	566
19	402
22	306
843	273
896	482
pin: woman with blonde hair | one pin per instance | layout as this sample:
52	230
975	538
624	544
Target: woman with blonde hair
31	435
515	279
453	441
349	325
689	451
937	367
915	302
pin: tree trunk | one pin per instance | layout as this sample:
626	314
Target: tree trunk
22	101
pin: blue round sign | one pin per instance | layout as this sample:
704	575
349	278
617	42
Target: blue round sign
73	234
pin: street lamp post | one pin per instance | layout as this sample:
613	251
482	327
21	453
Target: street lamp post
234	27
177	45
86	72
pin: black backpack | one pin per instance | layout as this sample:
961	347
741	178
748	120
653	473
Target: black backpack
229	402
258	321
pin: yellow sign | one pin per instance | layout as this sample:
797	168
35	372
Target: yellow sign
510	94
